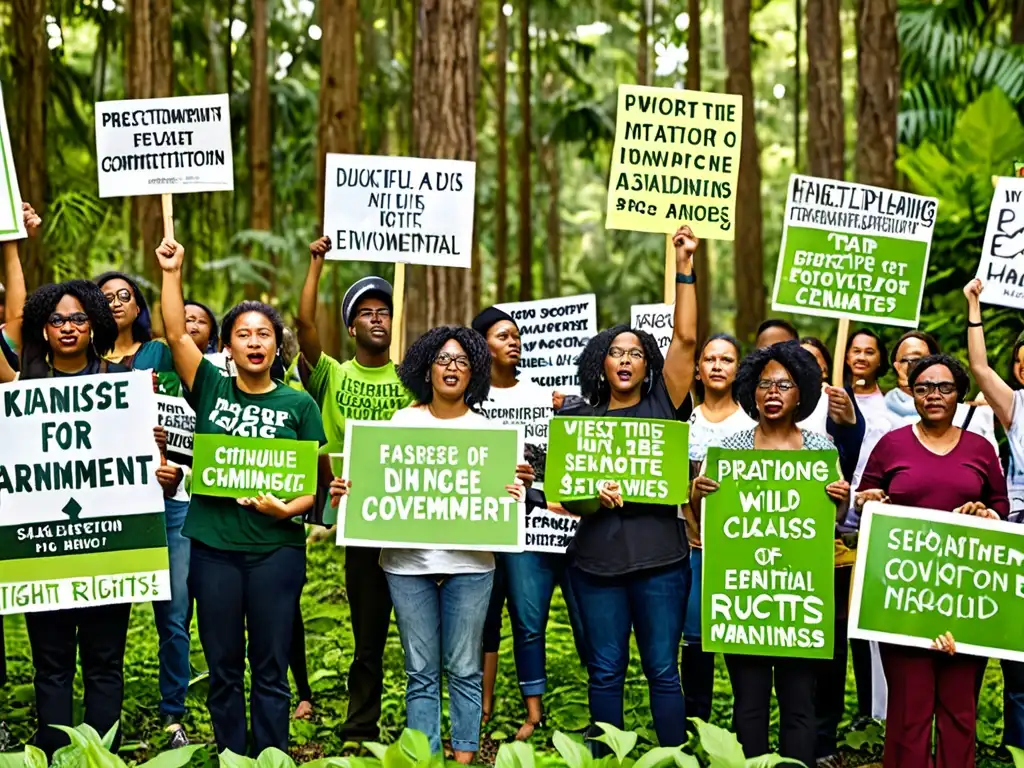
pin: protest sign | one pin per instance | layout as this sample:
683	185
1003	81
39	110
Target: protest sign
1001	268
81	510
854	251
164	146
431	488
12	226
657	319
769	568
179	420
554	333
676	161
546	531
647	457
921	573
242	467
410	210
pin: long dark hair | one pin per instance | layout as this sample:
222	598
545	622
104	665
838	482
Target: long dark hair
591	363
415	368
36	355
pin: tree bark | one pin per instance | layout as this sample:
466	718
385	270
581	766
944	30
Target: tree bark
797	110
444	126
525	154
501	214
693	81
878	79
26	109
548	157
1017	24
748	246
259	121
643	55
338	124
825	129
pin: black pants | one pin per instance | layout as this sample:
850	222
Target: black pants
697	671
860	652
370	604
236	591
751	678
99	634
830	690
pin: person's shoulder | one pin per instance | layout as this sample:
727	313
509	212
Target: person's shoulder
413	414
738	441
815	441
975	441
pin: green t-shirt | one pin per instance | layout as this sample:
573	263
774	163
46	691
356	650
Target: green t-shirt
223	409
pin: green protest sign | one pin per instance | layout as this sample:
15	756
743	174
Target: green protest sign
647	457
854	251
431	488
921	573
240	467
769	571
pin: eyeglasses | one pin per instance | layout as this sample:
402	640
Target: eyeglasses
618	353
378	314
57	320
122	294
444	360
783	385
908	360
925	388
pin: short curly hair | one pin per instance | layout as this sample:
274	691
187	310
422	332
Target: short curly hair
228	323
415	368
591	362
960	377
801	366
35	352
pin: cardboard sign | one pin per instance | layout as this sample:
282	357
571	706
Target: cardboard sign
921	573
554	333
431	488
164	146
176	416
657	319
1001	268
854	251
769	570
676	161
242	467
411	210
81	510
647	457
12	226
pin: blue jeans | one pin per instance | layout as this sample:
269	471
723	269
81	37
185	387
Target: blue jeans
172	616
531	579
651	603
441	624
1013	703
691	624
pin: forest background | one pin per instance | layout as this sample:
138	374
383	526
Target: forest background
921	95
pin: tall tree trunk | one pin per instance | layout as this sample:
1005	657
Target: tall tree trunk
26	109
444	126
825	135
259	121
693	78
501	214
548	157
797	92
748	247
1017	25
338	123
643	55
525	153
878	83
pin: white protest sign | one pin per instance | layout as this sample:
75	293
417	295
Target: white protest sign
164	146
12	227
408	210
657	319
176	416
554	333
1001	268
81	511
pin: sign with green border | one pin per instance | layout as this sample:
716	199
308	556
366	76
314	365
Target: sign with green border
242	467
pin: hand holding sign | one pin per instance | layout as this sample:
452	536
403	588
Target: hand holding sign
686	245
839	491
972	291
268	504
339	488
170	255
977	509
945	643
33	222
319	249
610	494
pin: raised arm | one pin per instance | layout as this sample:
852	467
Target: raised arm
186	354
309	339
997	392
679	360
16	292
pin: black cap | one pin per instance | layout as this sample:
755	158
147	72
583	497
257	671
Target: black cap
482	323
367	287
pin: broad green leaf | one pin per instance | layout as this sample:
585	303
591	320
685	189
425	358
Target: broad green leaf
1018	756
658	757
621	742
34	757
517	754
770	761
173	758
376	749
684	760
14	760
109	736
229	759
416	746
396	757
272	757
721	746
67	757
575	754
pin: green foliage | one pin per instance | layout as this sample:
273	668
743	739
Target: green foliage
1018	756
872	736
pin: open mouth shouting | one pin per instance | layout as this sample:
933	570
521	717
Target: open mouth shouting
68	340
256	358
772	406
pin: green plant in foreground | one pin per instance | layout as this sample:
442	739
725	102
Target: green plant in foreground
1018	756
88	750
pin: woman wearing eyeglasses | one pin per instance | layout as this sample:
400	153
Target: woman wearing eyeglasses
933	685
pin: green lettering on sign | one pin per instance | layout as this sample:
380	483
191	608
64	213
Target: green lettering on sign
240	467
769	569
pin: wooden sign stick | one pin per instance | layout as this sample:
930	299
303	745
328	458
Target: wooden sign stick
839	358
670	271
167	204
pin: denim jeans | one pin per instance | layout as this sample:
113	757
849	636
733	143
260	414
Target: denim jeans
651	602
172	616
496	605
1013	703
531	579
697	669
238	592
441	624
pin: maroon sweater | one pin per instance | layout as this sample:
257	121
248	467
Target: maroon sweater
913	476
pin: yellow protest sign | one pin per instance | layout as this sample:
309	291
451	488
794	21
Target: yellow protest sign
675	162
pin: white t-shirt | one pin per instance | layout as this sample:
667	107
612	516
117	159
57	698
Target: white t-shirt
704	433
427	562
1015	470
878	422
818	420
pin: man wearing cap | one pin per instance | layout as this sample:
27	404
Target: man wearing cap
366	388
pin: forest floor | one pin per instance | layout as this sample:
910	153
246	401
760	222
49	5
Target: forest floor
329	651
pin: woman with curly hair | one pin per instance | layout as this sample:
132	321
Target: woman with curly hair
778	387
630	567
441	596
248	555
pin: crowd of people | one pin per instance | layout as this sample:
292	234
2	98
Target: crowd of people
631	569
